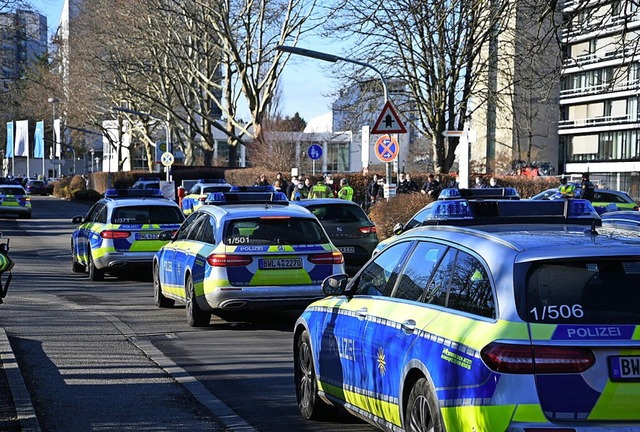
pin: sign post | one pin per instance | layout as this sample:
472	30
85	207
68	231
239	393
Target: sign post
314	152
463	155
388	123
167	161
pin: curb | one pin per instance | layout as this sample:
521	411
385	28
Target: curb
21	399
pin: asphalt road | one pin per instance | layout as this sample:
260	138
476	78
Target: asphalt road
101	356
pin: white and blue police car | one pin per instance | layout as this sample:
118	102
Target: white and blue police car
502	315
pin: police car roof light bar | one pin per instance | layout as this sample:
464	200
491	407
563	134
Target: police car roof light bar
216	180
479	193
251	197
133	193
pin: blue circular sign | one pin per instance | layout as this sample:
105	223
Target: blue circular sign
315	151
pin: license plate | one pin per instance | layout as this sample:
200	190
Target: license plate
624	368
347	249
280	263
147	236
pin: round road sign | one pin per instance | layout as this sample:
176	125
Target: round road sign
315	151
166	159
386	148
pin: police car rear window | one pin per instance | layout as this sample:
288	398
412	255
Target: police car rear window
12	191
586	291
147	215
281	231
338	213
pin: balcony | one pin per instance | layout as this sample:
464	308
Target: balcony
596	121
599	89
587	59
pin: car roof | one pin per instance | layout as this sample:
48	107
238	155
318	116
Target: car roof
255	210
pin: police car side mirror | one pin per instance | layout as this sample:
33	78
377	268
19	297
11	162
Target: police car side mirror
166	235
77	219
398	229
335	285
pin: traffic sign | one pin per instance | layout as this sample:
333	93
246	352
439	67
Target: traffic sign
386	148
388	122
314	151
166	159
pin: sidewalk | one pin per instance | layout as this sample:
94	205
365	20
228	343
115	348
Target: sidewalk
16	411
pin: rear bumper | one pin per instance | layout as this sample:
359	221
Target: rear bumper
124	260
260	297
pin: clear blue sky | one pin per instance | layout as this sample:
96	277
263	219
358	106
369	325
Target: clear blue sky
304	81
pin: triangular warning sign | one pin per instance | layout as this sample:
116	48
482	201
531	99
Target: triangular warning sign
388	122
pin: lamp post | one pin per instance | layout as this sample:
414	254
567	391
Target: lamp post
53	101
334	58
164	121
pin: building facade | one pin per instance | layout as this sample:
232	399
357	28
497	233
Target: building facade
599	127
23	39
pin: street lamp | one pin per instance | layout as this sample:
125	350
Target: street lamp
164	121
334	58
53	101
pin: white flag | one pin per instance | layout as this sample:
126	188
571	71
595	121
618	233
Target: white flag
56	134
22	138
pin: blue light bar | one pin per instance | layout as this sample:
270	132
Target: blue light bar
581	208
450	209
253	189
133	193
247	197
479	193
217	180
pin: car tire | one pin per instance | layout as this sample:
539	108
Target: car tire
196	317
159	299
311	406
76	267
422	412
95	274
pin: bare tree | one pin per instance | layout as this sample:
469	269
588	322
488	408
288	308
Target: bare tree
447	53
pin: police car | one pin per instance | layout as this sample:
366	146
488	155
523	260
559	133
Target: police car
14	200
245	249
121	231
199	192
530	322
147	183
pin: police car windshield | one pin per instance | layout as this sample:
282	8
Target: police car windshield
285	231
584	291
145	214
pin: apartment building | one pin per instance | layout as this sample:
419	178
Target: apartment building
599	127
23	39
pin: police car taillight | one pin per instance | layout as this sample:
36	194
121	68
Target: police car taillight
327	258
368	230
114	234
536	359
226	260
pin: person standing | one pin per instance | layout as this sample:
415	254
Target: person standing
431	187
567	190
291	187
372	189
402	184
346	191
283	183
321	190
412	186
587	188
306	188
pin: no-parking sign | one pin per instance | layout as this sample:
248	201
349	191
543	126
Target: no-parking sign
386	148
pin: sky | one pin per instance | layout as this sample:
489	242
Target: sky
305	82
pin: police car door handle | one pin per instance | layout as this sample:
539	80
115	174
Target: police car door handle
362	313
409	326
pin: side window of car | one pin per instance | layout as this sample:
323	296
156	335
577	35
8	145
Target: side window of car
186	226
471	288
101	214
439	286
207	228
418	271
379	276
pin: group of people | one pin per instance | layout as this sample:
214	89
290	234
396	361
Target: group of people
301	187
569	190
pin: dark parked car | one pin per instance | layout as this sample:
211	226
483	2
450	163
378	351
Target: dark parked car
349	229
35	187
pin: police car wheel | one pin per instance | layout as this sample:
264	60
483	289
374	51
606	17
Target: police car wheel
422	413
160	300
76	267
196	317
95	274
309	403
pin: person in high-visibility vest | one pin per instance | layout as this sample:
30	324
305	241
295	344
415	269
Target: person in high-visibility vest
346	191
321	190
567	190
